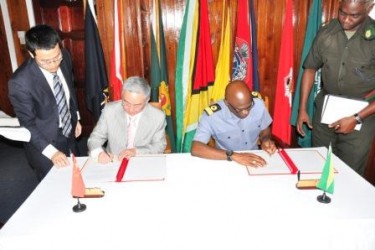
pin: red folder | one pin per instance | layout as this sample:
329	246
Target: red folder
121	170
292	167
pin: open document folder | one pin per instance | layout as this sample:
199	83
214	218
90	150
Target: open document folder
337	107
139	168
290	161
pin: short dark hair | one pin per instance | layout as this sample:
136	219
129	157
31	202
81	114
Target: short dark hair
41	37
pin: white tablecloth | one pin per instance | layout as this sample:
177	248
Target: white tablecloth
202	204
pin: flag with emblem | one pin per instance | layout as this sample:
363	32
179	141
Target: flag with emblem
326	182
194	72
313	25
159	77
95	70
118	63
223	70
245	55
281	128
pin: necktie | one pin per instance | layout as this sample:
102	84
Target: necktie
62	105
131	132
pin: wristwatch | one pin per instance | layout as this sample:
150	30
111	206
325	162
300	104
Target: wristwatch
229	154
358	119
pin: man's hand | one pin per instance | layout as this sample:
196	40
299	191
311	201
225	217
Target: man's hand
345	125
59	159
269	146
105	157
303	117
249	159
78	130
127	153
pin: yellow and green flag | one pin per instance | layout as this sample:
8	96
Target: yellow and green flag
326	182
194	72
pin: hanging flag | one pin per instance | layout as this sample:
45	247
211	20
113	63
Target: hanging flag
245	55
281	128
117	68
159	77
194	73
78	186
313	24
95	72
326	182
223	70
242	54
254	47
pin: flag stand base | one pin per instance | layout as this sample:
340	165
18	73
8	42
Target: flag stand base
323	198
79	207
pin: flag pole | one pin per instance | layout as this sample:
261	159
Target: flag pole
79	207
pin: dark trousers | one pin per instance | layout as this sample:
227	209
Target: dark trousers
40	163
353	148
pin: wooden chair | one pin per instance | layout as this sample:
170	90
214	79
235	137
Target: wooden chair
168	149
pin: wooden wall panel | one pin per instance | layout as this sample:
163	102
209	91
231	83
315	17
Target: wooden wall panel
6	70
269	18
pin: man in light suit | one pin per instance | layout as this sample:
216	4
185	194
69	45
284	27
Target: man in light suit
130	126
32	94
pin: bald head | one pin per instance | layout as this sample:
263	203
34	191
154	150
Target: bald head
367	3
237	92
238	98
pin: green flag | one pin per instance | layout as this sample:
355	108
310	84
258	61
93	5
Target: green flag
159	77
313	24
326	182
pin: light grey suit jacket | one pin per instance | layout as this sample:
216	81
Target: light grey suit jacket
112	128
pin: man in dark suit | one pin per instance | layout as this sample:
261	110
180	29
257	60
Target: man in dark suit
44	100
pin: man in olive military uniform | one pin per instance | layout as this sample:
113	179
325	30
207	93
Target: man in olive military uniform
344	49
236	123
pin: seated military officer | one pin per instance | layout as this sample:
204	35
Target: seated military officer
236	123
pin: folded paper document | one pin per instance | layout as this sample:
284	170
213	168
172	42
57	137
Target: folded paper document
289	161
10	128
8	121
337	107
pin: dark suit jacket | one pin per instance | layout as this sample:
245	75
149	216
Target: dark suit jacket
35	105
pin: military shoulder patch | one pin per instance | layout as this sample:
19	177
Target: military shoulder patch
212	109
256	94
370	32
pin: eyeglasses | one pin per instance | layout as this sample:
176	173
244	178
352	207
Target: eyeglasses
247	109
47	63
130	105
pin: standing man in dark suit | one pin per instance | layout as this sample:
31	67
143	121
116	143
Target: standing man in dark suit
44	100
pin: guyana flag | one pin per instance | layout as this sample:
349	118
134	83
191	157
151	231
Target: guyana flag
194	73
159	77
326	182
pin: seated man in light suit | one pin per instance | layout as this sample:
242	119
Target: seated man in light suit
130	126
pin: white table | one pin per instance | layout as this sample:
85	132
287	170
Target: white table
202	204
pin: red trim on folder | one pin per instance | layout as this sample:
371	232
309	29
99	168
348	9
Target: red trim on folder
288	161
121	170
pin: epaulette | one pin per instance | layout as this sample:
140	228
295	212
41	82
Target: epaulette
256	94
212	109
370	32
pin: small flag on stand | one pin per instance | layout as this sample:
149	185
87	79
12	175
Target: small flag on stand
78	186
326	182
